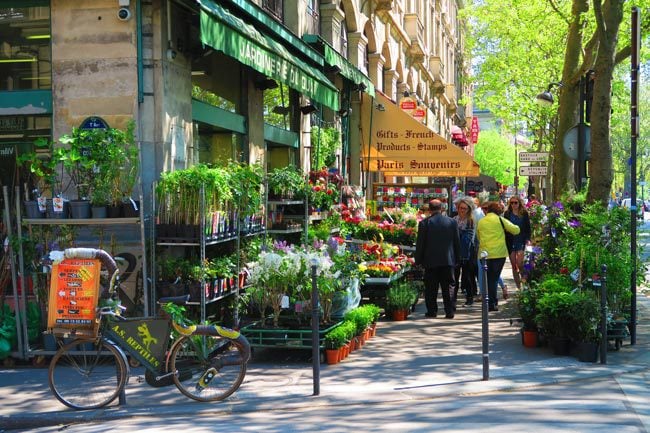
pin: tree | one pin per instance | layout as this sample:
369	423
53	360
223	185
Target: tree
591	41
496	156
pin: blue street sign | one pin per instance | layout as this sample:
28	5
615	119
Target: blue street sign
93	122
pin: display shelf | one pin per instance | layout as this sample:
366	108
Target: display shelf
391	195
82	221
285	231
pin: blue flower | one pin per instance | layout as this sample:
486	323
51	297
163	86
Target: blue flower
574	223
558	205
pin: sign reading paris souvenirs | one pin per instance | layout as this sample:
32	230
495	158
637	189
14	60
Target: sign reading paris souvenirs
396	144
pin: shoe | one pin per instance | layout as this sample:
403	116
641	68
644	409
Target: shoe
493	308
505	291
432	315
449	316
468	303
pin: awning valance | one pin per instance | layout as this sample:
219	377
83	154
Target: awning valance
236	38
458	136
397	145
347	69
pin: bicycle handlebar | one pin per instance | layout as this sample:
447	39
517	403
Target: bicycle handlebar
107	261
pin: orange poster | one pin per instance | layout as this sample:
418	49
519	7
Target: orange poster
74	291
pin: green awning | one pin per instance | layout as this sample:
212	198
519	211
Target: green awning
234	37
347	69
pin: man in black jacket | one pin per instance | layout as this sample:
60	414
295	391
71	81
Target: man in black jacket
437	250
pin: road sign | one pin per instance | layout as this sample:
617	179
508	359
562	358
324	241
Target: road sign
533	171
533	156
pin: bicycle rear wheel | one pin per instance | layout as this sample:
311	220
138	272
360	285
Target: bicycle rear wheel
87	374
207	368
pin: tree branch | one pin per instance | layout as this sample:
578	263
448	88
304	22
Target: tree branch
559	12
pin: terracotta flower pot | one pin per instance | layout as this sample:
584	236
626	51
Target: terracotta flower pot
530	338
399	315
332	356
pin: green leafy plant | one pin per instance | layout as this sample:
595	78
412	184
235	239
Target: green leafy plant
335	338
42	163
526	301
325	142
401	296
287	182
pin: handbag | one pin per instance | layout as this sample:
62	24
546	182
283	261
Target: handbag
507	237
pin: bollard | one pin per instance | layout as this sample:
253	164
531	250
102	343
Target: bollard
603	315
315	343
485	336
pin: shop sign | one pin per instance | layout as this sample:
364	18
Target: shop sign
74	291
13	123
474	130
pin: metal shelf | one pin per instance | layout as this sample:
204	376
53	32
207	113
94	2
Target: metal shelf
294	230
83	221
209	301
197	244
285	202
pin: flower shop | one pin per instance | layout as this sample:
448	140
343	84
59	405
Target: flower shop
580	249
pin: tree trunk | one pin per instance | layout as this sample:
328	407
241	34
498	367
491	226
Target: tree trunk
569	100
600	165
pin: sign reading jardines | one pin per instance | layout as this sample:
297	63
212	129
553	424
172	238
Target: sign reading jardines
396	144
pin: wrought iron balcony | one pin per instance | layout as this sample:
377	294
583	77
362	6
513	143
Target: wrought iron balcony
275	8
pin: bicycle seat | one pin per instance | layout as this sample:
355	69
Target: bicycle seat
177	300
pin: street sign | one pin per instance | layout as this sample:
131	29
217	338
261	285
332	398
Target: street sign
533	156
533	171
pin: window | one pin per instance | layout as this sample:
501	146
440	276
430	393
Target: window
25	54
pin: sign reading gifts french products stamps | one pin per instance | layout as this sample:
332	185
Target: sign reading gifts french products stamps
74	291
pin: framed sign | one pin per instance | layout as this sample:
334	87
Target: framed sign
74	291
93	122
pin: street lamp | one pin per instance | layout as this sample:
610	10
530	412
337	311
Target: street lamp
545	98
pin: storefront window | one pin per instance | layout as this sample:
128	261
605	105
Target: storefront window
216	145
25	53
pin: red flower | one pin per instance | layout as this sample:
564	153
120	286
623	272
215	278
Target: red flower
330	192
564	271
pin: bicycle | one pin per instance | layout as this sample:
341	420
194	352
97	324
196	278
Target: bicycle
206	362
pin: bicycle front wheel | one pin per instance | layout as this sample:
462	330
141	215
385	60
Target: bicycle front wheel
207	368
87	374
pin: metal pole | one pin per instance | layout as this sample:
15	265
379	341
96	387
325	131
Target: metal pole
315	343
582	131
634	120
14	275
516	169
485	335
603	315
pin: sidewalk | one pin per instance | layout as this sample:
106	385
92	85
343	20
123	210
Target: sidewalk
416	359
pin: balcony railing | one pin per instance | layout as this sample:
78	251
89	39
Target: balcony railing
313	21
275	8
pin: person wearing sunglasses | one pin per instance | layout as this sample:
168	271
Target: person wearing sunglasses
517	214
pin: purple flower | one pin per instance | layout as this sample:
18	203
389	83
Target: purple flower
537	250
574	223
558	205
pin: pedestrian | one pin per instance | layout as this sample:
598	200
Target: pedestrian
491	235
465	272
518	215
532	201
437	250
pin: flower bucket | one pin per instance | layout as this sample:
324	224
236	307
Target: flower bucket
399	315
529	338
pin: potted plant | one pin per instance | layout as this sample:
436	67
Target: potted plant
334	341
399	299
42	163
286	183
555	318
585	326
526	302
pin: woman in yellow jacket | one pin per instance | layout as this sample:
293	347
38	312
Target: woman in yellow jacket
492	239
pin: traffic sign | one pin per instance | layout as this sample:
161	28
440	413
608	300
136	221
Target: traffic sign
533	171
533	156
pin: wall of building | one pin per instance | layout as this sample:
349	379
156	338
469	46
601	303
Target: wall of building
94	64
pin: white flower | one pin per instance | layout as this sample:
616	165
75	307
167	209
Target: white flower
57	256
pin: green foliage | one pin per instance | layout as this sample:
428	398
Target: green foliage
526	301
496	156
362	318
42	163
401	296
287	182
246	183
335	338
325	142
555	310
